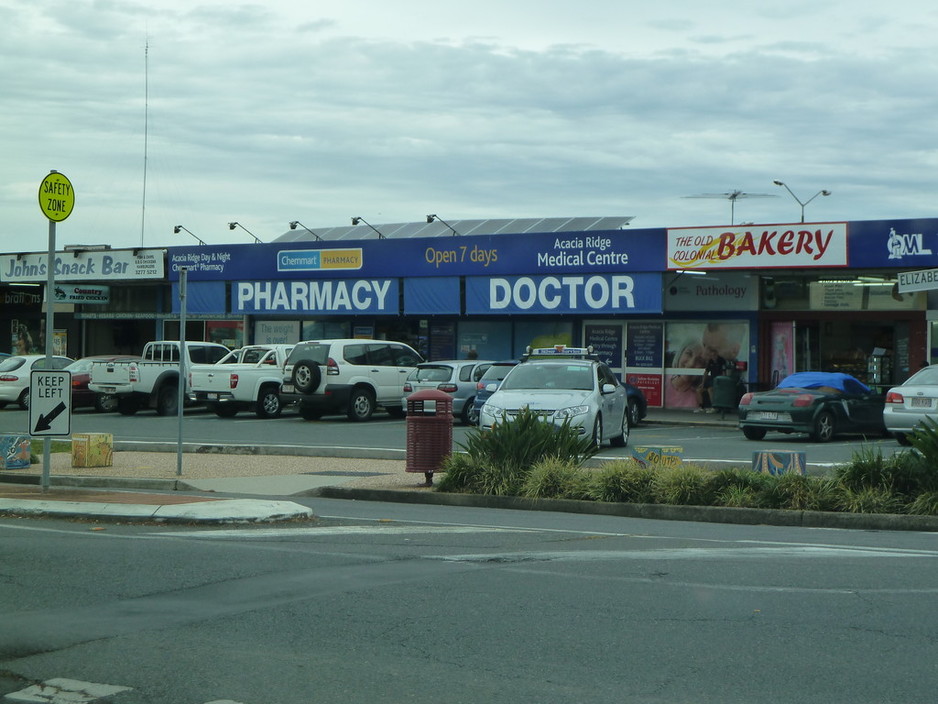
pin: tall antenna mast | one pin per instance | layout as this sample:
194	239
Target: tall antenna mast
146	117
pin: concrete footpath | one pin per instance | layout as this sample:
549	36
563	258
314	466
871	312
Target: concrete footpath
247	484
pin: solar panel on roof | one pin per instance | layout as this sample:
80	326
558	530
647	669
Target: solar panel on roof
494	226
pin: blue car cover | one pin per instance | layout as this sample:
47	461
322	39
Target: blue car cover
814	380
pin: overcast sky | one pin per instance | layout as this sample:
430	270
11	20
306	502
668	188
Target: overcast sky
392	109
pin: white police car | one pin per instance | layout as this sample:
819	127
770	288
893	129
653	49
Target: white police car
563	384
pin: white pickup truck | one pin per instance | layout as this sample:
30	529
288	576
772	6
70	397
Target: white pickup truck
248	378
153	380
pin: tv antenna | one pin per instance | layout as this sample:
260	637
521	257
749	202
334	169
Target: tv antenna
732	197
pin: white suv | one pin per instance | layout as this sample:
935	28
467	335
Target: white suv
347	376
563	385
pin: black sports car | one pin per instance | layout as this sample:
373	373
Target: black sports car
821	404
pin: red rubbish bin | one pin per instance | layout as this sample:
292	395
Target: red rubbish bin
429	431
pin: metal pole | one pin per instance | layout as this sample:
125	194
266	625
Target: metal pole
181	387
50	287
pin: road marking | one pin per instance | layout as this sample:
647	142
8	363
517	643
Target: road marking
65	691
333	531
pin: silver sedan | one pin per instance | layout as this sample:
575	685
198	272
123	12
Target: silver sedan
911	403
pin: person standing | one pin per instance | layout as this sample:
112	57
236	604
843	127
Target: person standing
716	366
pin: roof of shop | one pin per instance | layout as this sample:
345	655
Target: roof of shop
463	227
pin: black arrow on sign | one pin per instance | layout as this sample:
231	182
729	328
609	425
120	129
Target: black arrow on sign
45	422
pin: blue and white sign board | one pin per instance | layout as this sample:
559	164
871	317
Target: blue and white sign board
50	402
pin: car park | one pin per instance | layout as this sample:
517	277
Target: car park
456	377
908	405
15	373
820	404
350	376
563	385
82	396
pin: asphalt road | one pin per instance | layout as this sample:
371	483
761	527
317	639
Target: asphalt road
392	602
335	433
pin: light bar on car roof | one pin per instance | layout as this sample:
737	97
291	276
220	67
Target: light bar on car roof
559	351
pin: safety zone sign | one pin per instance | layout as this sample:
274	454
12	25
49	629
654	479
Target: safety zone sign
50	402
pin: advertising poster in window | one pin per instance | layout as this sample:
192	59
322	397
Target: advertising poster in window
644	351
689	347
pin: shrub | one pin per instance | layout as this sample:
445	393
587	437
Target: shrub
925	504
683	484
870	499
553	478
499	460
623	481
906	473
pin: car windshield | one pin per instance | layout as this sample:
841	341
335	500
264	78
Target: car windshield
928	375
497	372
550	376
316	352
11	363
436	373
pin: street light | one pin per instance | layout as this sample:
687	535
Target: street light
294	223
823	192
180	227
233	225
356	220
431	218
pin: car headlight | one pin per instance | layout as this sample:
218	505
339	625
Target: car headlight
492	410
572	412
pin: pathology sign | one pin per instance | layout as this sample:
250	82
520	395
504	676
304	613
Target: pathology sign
587	295
758	246
114	265
324	297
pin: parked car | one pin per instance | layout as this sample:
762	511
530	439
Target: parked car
910	403
457	377
563	385
15	372
348	376
82	396
488	384
821	404
638	404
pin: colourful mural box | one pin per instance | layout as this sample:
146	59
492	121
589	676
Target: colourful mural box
658	455
92	450
15	451
779	462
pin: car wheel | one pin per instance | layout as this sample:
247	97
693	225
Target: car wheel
3	404
903	439
623	439
395	411
309	412
167	401
23	400
635	412
105	403
823	427
598	432
753	433
127	405
306	376
474	413
224	410
468	415
268	403
361	405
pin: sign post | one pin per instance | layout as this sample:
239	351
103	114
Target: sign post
56	201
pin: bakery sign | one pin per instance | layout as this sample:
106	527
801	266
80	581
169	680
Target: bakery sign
81	293
758	246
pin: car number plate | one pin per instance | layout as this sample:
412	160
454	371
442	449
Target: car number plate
108	389
921	403
768	415
211	396
286	388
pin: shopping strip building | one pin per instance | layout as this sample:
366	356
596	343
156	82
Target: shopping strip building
773	298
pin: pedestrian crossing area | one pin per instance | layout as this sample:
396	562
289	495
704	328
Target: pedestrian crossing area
61	690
